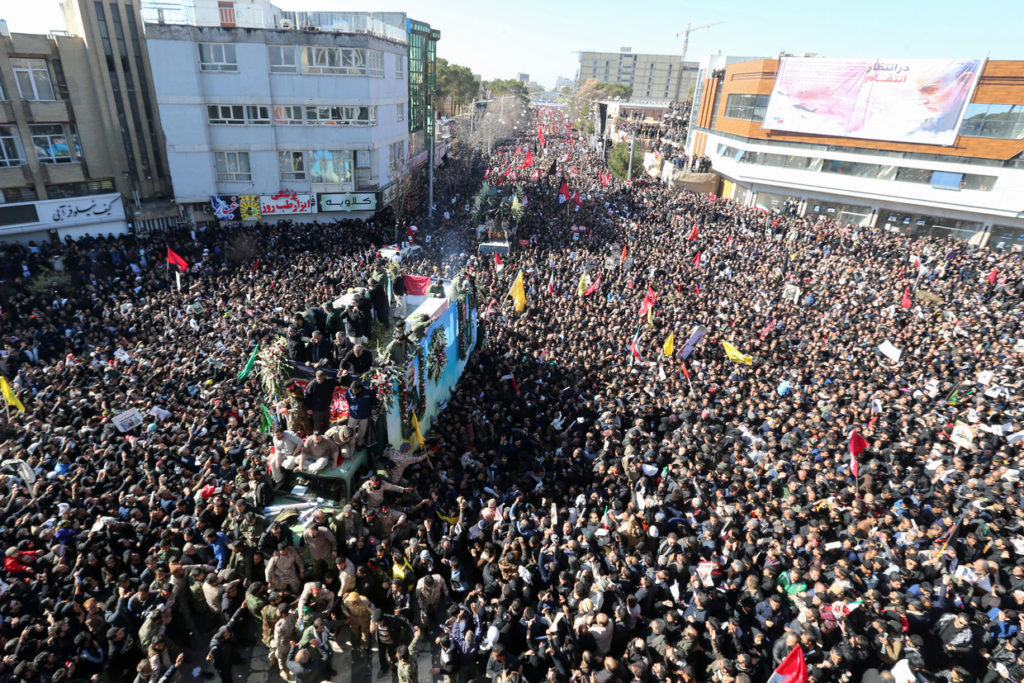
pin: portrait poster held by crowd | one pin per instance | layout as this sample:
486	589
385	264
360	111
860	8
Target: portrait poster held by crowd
695	441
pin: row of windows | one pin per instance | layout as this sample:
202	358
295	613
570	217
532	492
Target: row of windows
993	121
293	114
349	61
325	167
923	176
54	143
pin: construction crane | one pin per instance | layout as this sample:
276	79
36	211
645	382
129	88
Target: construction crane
686	43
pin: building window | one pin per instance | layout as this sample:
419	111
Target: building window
282	59
292	165
258	114
746	107
227	13
290	114
11	153
10	147
397	153
330	167
993	121
342	60
364	171
232	167
400	112
54	142
217	57
221	114
399	67
81	189
341	116
33	79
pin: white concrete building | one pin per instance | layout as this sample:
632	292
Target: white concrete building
262	123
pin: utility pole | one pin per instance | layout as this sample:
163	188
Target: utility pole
682	59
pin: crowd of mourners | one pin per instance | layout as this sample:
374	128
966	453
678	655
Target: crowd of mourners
586	508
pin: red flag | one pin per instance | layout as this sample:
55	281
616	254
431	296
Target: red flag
905	302
498	265
566	157
857	446
576	198
416	285
696	260
551	285
594	287
564	191
767	329
792	669
992	276
605	179
697	288
624	250
650	298
176	260
693	234
529	159
256	266
487	172
686	373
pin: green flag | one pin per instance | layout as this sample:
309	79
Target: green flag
249	365
266	420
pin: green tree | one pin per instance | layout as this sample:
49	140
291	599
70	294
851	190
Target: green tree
593	89
618	160
456	86
507	86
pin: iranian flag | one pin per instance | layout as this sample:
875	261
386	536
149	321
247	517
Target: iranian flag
498	265
792	669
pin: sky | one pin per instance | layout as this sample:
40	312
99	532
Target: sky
543	37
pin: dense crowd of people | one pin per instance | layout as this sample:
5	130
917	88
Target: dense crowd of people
589	506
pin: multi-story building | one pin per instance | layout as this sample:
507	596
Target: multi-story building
58	174
969	184
278	122
658	78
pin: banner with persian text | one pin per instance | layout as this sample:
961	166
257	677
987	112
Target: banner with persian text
906	100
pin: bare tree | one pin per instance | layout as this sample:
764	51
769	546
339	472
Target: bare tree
408	196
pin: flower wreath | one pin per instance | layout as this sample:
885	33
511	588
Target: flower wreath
437	354
404	404
274	367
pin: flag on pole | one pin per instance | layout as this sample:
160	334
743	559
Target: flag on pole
563	192
606	178
518	293
417	435
246	370
693	234
9	396
670	345
734	354
487	173
594	287
625	250
768	328
857	446
498	265
551	284
553	168
905	301
576	198
634	347
529	159
792	669
650	298
696	336
696	259
992	276
686	373
266	420
176	260
581	288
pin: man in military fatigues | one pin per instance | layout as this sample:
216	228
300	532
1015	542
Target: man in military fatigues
269	617
358	609
284	633
284	570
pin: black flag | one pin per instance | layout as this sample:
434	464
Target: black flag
553	169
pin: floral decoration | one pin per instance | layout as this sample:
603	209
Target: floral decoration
274	366
437	354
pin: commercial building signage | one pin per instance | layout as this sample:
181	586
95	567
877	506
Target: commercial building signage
347	201
286	202
906	100
62	213
225	208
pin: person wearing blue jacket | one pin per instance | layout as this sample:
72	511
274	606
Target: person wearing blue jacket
361	403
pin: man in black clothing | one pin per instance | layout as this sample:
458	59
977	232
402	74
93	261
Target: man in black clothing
388	629
318	350
318	400
357	361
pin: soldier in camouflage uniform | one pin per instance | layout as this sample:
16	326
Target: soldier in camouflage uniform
284	633
269	615
284	570
358	609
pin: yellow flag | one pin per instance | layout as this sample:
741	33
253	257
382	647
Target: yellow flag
583	285
417	435
735	355
518	293
670	344
9	396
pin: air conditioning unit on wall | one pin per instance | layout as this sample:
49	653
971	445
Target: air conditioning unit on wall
287	24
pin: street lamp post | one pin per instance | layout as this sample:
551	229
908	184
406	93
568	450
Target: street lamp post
629	171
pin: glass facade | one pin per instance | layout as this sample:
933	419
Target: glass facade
422	83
